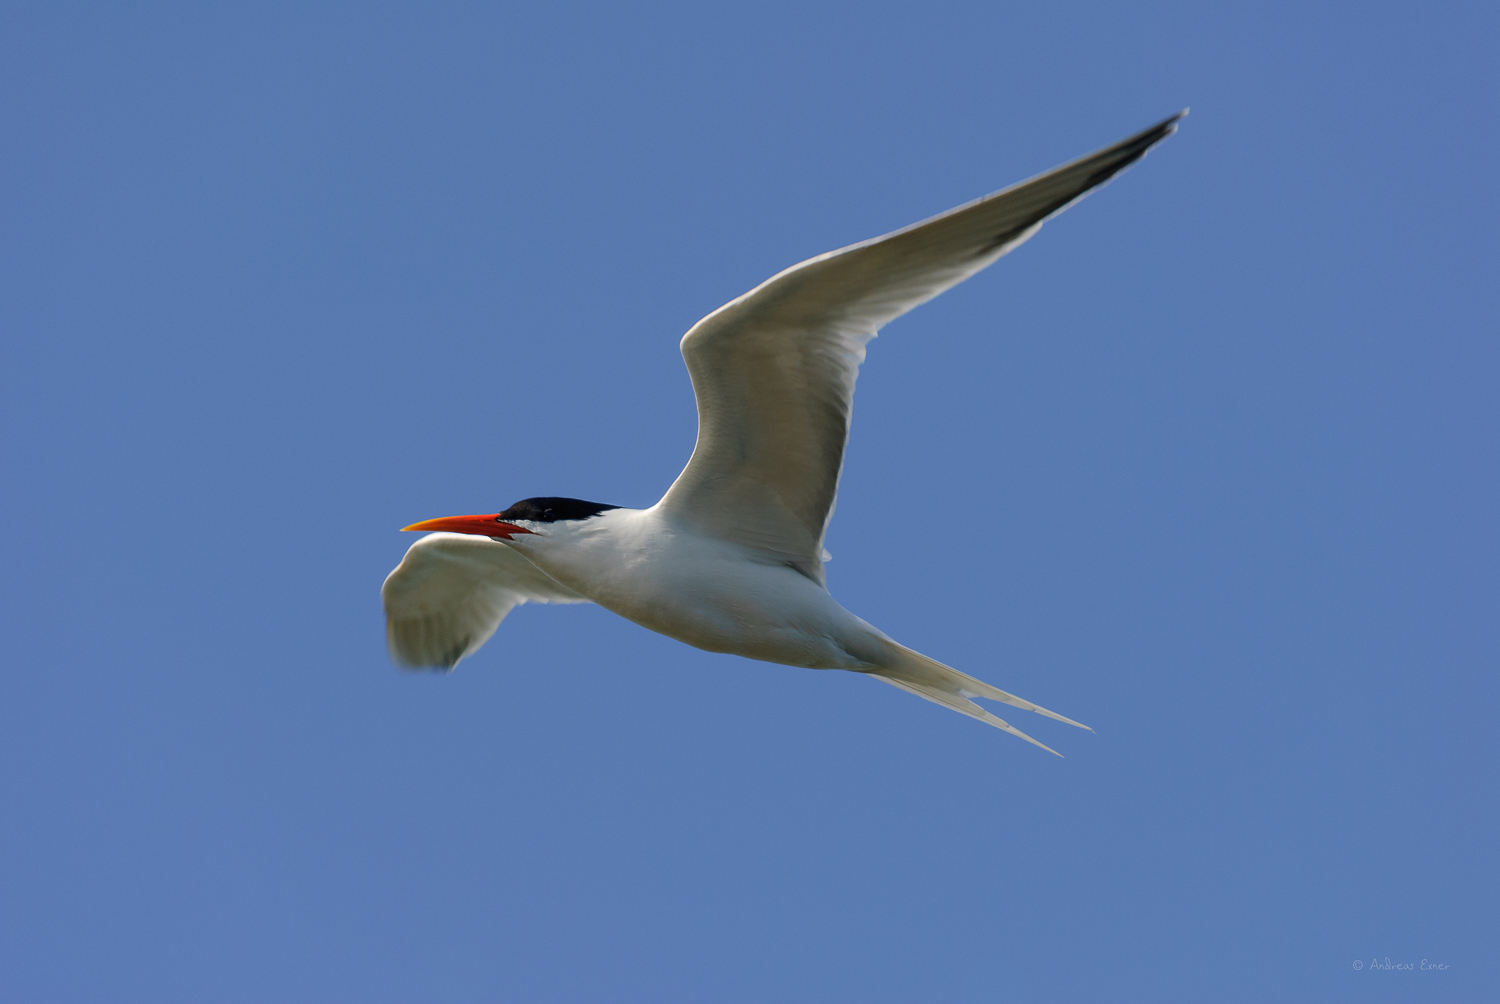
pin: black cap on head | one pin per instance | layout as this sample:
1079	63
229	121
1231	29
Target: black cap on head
550	510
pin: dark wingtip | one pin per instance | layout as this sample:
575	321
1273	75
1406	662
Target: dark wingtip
1117	158
1162	129
1147	138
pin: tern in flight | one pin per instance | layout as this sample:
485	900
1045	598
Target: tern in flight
731	558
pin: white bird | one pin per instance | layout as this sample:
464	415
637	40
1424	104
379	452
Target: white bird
731	558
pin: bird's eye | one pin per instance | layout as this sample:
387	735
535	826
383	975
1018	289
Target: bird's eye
547	514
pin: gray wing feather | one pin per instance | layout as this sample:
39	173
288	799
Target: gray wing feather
774	370
450	593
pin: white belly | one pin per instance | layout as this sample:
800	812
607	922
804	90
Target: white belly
704	592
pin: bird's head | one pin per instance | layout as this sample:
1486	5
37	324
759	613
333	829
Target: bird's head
528	516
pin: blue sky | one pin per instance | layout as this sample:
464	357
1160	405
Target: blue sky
1209	464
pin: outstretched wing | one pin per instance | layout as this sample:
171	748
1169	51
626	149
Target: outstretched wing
450	593
774	370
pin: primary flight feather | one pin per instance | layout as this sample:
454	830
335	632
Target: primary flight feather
731	558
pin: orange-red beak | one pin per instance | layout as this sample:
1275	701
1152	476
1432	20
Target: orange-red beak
485	526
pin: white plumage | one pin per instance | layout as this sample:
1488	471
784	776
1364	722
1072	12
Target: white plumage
731	558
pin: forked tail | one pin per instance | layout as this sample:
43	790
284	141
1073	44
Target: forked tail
916	674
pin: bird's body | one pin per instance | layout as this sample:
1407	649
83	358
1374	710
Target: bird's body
731	558
712	594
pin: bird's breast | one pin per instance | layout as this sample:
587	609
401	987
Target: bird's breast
708	593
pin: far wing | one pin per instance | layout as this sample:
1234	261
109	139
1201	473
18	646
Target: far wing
451	592
774	370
